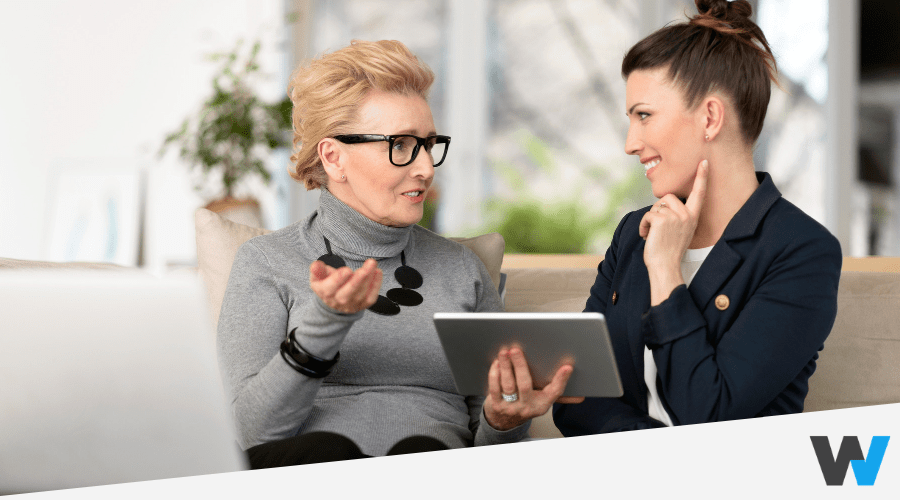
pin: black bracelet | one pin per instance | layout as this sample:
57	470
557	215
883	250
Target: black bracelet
300	360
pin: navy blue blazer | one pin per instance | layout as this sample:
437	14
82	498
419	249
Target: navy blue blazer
741	342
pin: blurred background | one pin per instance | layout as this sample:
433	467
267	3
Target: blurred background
118	119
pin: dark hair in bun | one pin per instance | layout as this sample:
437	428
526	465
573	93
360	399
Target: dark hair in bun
720	49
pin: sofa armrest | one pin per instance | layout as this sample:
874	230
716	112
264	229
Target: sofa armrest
33	265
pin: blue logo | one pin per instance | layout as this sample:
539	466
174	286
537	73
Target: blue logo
865	468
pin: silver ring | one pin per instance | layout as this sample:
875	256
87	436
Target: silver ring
510	398
662	206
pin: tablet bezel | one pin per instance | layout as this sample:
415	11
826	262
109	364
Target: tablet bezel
471	342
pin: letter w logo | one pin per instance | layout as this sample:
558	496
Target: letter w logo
835	468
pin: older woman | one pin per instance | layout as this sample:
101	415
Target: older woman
326	334
717	304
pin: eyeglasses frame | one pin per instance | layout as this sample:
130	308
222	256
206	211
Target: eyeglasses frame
363	138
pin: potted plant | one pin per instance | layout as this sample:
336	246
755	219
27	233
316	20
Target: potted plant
228	139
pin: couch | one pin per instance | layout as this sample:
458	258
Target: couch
858	366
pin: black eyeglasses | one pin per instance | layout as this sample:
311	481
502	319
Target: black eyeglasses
408	278
404	148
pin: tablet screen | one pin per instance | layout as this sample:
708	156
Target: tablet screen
471	342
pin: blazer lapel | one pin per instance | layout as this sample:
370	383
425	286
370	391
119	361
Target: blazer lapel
715	271
723	260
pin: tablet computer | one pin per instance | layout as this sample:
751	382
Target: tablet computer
471	342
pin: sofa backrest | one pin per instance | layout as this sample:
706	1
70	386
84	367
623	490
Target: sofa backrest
859	364
857	367
540	289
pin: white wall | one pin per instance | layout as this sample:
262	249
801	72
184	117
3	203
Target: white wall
100	82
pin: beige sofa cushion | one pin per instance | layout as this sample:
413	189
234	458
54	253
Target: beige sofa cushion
489	248
548	289
859	364
218	240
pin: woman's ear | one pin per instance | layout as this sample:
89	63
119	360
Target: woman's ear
330	154
712	114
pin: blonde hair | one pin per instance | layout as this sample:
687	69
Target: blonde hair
328	92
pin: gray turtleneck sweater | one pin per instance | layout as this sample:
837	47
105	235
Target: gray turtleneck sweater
392	380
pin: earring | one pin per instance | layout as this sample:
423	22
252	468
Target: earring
342	177
707	138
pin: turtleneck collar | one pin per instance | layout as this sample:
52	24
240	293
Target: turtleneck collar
355	236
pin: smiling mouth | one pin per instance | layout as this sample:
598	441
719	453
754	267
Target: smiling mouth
413	194
650	164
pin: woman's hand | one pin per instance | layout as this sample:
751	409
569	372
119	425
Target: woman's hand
345	290
668	228
509	375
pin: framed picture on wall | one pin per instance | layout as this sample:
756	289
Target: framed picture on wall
94	213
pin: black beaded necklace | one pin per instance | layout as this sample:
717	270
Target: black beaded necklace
409	280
